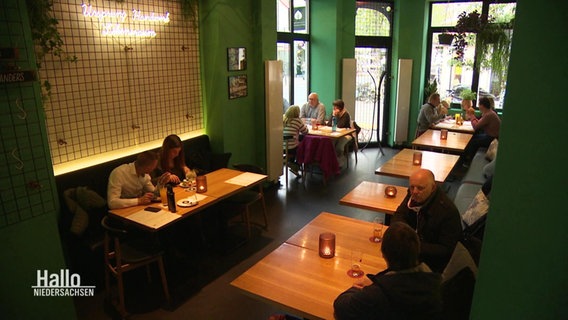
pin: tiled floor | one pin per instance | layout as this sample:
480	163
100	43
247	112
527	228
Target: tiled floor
199	275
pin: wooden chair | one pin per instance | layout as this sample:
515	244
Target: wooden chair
245	199
355	142
121	256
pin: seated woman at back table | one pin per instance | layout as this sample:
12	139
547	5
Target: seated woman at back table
343	120
293	126
172	161
340	114
486	128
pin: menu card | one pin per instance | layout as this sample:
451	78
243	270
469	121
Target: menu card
153	219
246	179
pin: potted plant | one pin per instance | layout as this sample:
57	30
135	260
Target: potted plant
431	87
467	97
445	38
493	40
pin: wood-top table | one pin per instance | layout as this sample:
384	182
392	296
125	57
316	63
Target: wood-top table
450	125
295	278
371	196
326	132
221	184
401	166
455	142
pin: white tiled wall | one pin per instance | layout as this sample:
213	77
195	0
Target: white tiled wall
121	91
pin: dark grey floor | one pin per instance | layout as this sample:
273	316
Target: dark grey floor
200	276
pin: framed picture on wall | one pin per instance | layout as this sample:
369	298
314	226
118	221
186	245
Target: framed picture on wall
238	86
236	59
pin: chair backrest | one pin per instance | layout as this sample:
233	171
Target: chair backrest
111	245
355	126
112	228
249	168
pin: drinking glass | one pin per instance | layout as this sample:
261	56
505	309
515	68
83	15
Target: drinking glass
378	225
356	260
163	195
190	177
192	193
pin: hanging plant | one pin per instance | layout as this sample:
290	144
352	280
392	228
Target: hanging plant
445	38
493	40
189	10
45	35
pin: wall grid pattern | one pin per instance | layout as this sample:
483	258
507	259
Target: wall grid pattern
26	178
123	90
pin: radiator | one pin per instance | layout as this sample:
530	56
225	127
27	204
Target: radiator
348	85
273	104
403	86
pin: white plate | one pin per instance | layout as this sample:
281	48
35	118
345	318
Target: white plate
184	203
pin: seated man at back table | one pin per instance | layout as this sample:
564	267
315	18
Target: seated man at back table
408	289
313	109
130	184
428	210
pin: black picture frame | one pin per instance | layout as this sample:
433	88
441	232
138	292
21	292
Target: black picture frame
238	86
236	59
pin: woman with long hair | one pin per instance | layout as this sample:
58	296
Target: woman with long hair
172	160
293	126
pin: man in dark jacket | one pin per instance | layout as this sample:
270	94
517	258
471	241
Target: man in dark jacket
406	290
428	210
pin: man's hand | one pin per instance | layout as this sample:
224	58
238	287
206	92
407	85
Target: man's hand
363	282
146	198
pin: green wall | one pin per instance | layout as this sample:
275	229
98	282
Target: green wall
236	125
29	239
524	265
410	20
332	38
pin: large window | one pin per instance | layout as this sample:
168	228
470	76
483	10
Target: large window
373	42
292	21
475	70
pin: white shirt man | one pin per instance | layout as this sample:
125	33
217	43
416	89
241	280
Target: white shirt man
130	184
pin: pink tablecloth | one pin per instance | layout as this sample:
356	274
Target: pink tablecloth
320	150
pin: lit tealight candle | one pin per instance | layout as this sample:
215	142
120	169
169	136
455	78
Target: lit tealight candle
417	158
201	182
444	134
327	245
390	191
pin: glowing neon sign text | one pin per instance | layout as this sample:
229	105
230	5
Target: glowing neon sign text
114	20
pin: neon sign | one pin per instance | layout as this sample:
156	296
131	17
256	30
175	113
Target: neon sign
112	21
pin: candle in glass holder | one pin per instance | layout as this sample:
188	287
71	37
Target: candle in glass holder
417	158
444	134
390	191
327	245
201	182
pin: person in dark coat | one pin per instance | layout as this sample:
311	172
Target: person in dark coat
428	210
408	289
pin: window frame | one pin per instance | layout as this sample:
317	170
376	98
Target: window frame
289	38
432	30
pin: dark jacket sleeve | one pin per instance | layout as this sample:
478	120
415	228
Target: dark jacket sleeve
448	233
442	232
360	304
402	213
